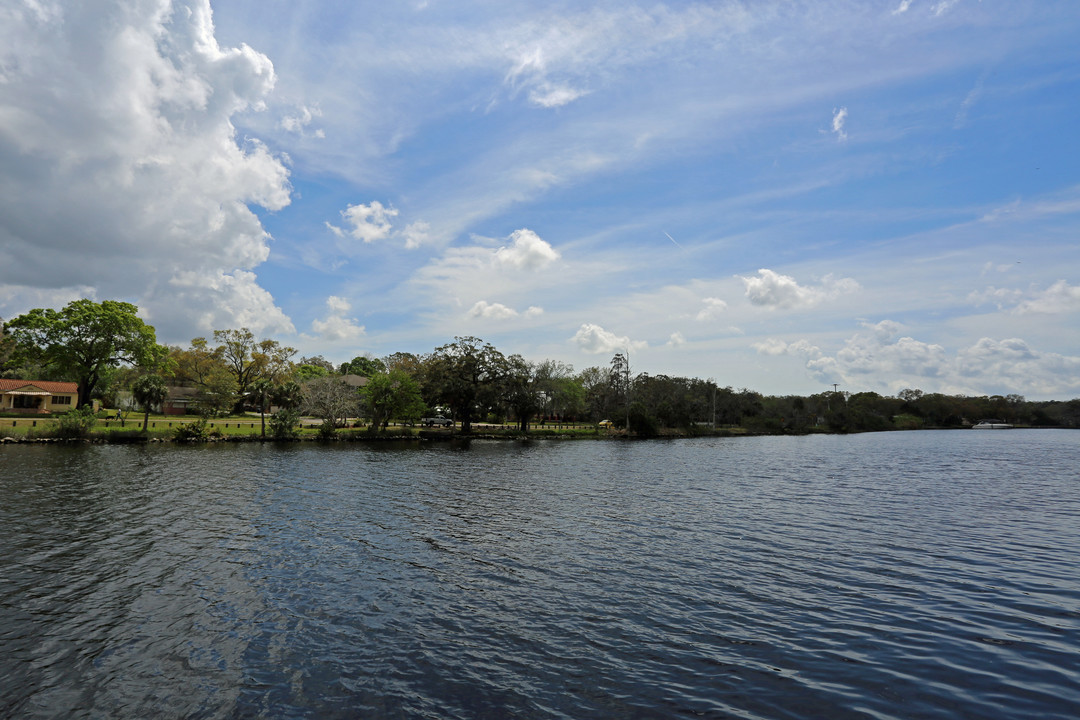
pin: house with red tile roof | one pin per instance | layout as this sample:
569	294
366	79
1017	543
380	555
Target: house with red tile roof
37	396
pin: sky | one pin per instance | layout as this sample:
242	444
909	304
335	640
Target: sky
780	195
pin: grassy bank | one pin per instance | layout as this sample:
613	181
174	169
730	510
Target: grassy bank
163	428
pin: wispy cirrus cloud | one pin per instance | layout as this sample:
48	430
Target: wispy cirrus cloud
839	119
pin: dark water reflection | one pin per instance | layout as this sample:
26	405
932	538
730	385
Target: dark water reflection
913	575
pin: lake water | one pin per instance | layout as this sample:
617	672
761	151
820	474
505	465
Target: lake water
894	575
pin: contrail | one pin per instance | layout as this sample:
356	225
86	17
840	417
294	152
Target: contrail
673	240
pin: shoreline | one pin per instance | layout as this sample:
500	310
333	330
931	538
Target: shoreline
427	436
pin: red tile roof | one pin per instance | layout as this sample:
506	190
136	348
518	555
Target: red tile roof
46	385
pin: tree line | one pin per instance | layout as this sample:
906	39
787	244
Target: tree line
109	351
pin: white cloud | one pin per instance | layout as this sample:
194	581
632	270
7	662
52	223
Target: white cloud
1010	365
1059	298
771	346
527	251
995	296
773	290
941	7
213	301
714	307
676	340
495	311
902	8
876	358
366	222
298	122
838	119
416	234
498	311
551	96
337	326
594	339
120	169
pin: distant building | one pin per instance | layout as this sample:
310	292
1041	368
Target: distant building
180	401
37	397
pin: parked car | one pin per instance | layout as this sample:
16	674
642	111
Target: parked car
437	420
604	423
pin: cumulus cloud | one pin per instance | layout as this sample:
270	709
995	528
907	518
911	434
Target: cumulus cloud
241	303
594	339
902	7
676	340
838	119
771	346
498	311
336	326
120	169
773	290
714	307
1011	365
988	366
365	222
1059	298
527	251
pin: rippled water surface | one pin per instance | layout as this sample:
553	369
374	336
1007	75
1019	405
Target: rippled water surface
899	575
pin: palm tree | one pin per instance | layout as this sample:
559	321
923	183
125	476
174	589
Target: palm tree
262	390
149	390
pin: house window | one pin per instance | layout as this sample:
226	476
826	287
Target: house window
61	399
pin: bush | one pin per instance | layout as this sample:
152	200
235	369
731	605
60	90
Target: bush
193	431
285	425
76	423
327	431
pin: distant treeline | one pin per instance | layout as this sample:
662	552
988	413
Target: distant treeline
111	353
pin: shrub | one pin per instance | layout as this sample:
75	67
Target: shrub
327	431
193	431
76	423
285	425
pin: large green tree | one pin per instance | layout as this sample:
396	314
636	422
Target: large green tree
393	394
464	375
86	338
249	359
521	391
361	365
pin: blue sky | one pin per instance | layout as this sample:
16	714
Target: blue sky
775	195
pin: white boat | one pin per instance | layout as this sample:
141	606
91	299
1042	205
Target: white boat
991	425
